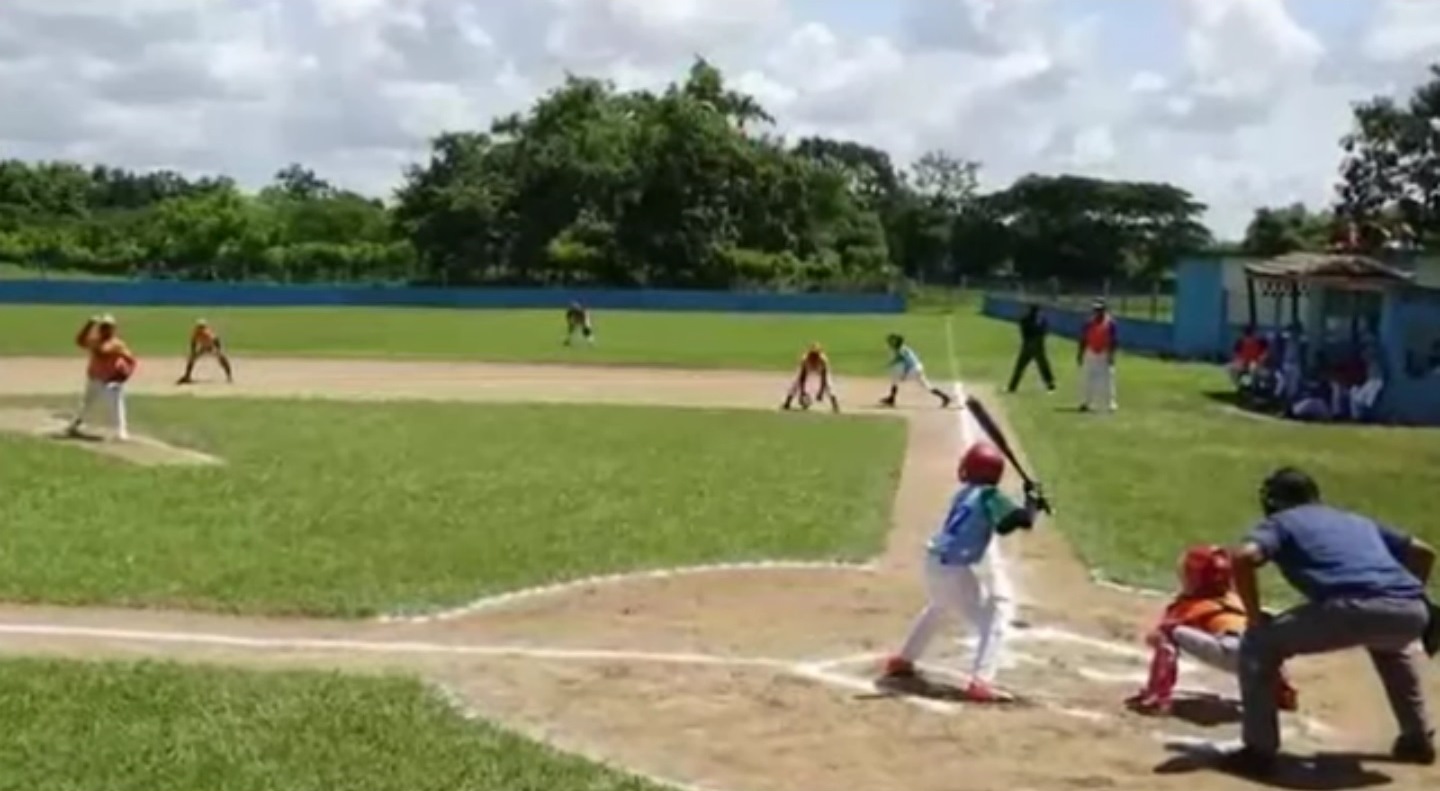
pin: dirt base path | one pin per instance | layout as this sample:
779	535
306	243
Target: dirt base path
747	678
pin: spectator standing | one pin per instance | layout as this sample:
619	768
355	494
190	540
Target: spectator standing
1033	330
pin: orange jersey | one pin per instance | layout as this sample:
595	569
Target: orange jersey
815	361
1214	615
203	338
108	358
1099	335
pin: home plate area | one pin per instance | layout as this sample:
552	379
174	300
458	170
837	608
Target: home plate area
1080	677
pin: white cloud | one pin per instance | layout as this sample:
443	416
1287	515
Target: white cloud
1243	107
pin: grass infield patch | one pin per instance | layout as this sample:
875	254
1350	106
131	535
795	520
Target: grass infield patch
158	727
354	509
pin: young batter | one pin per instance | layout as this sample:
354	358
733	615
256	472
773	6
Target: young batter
577	320
1205	621
905	366
977	514
111	365
204	341
813	363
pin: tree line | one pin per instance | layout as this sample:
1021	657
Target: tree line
1388	194
591	185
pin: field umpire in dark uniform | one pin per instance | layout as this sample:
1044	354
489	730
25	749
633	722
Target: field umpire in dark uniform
1033	329
1364	586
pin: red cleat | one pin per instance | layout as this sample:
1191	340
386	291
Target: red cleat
981	692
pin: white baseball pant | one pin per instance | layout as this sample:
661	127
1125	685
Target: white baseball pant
958	591
900	374
112	394
1097	381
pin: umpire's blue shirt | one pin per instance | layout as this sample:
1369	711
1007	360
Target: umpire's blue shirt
1330	554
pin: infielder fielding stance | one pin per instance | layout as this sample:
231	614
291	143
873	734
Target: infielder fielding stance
977	514
111	365
577	320
814	363
1205	621
905	366
205	341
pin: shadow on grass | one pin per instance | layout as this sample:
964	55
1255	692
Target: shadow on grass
1320	772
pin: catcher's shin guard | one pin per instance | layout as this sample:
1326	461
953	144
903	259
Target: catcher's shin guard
1160	686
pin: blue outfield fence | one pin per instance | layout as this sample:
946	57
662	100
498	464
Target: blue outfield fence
162	293
1152	337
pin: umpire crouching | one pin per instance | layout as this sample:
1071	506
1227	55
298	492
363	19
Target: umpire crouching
1364	586
1033	329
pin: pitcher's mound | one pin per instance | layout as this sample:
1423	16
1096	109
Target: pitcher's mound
145	451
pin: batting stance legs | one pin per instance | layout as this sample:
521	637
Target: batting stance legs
957	591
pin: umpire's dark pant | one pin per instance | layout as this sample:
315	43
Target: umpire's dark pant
1032	352
1387	628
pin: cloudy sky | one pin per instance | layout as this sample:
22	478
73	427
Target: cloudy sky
1240	101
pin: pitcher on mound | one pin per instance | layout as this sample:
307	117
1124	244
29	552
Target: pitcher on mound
978	513
814	363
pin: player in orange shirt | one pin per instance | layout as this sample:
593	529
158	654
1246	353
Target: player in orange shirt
813	363
111	366
204	340
1205	621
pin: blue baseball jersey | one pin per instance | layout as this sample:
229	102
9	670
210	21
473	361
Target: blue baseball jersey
969	526
906	358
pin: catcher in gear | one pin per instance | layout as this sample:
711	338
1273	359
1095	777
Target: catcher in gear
111	365
978	513
205	341
1205	621
813	363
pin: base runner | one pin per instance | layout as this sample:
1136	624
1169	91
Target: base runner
905	366
1205	622
111	365
577	320
977	514
813	363
205	341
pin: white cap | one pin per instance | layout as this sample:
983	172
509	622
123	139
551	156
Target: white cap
106	319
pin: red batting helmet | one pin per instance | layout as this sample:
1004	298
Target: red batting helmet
1205	571
982	464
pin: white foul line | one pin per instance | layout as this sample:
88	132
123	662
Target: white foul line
392	647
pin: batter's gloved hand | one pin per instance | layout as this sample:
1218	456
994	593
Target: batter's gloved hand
1035	497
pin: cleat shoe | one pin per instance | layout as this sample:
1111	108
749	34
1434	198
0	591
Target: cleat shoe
980	692
1415	750
1147	704
887	401
898	668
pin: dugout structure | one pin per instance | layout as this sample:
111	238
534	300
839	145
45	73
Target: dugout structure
1335	299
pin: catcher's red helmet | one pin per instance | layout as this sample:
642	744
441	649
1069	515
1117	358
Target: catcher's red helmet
983	464
1205	571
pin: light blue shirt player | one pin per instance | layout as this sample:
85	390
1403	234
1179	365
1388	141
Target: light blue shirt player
907	361
976	514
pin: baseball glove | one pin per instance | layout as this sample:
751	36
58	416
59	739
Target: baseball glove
805	401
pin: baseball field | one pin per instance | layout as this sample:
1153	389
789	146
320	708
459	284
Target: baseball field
414	550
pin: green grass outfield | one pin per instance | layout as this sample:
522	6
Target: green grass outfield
351	509
76	726
698	340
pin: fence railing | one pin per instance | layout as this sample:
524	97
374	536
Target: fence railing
1152	300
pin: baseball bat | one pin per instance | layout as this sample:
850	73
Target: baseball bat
997	436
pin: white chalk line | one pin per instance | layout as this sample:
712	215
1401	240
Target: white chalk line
321	644
523	595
